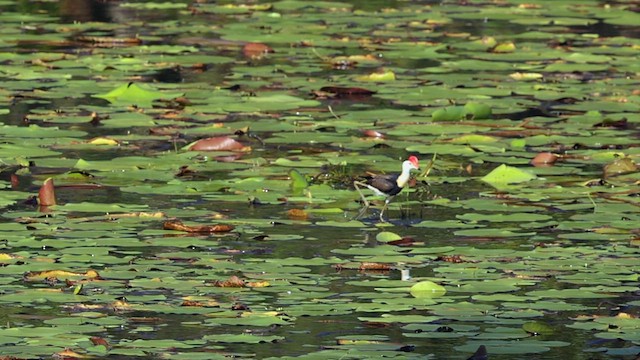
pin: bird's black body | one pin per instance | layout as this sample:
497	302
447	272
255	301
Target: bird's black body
386	185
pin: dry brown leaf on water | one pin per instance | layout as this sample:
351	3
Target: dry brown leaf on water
47	193
68	354
232	281
456	259
254	50
297	214
138	214
109	41
59	274
374	266
544	159
179	226
218	143
403	242
96	340
190	301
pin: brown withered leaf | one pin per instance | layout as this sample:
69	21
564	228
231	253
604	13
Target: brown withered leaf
109	41
456	259
179	226
232	281
254	50
374	266
199	302
96	340
544	159
68	354
59	274
297	214
405	241
191	303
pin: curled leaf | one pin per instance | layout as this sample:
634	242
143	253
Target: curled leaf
102	140
47	193
218	143
427	289
373	134
544	159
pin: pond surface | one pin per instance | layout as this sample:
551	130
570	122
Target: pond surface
203	154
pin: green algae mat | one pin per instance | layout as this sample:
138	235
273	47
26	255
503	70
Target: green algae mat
177	180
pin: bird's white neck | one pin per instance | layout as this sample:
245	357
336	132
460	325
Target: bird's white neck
403	178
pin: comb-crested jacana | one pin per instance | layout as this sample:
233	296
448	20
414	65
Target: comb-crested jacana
387	185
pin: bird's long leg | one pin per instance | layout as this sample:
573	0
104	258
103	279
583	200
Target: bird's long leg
365	202
386	203
357	185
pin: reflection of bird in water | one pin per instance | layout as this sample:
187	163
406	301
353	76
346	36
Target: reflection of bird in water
387	185
480	354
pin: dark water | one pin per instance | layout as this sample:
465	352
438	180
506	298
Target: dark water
308	333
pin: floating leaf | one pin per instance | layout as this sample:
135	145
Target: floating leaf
179	226
505	174
537	328
620	166
386	236
381	76
133	94
476	111
60	275
298	181
427	289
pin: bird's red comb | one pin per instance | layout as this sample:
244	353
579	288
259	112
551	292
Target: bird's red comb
414	161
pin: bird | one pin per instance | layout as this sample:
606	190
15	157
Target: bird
386	185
